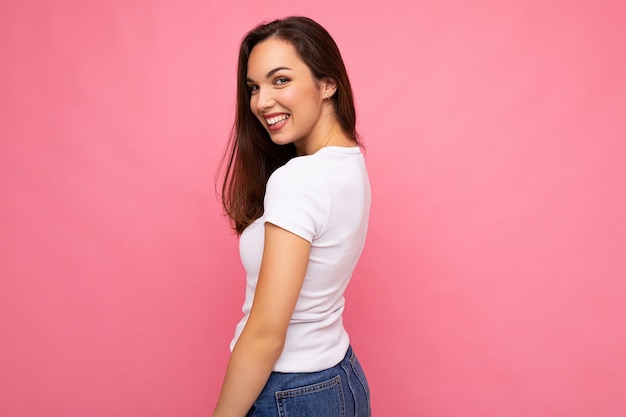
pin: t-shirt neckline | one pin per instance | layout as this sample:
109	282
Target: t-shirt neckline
343	149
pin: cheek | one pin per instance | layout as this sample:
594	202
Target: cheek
290	97
254	110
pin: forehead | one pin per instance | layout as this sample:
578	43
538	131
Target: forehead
273	53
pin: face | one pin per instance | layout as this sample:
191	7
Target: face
285	97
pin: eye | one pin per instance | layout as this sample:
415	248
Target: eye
252	89
281	81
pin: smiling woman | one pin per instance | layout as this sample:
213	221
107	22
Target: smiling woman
297	192
287	98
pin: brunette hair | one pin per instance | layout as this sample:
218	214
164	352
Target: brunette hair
251	155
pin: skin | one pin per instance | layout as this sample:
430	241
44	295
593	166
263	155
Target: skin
282	84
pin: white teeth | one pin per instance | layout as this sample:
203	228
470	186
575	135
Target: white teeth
272	121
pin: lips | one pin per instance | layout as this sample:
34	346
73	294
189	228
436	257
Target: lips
275	121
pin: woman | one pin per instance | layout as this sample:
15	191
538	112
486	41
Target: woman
297	192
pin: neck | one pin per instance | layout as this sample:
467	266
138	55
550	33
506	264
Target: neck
330	135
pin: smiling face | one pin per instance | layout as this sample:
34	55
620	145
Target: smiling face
286	98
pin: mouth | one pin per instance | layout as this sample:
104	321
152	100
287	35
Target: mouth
275	122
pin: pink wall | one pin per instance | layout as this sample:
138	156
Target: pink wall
492	283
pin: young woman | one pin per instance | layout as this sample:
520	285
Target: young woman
297	192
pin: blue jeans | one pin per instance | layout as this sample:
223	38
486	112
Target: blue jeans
340	391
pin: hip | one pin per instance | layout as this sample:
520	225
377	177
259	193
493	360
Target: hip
339	391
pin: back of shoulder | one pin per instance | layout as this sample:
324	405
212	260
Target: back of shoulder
323	170
297	172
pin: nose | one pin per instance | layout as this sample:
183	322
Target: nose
264	99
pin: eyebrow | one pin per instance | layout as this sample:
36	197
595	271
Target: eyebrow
272	72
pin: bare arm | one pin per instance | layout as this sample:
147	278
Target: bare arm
285	259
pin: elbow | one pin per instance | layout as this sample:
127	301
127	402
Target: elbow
275	348
268	343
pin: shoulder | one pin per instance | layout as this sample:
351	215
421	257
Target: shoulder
299	183
298	172
297	198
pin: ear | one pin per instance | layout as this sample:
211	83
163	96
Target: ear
329	87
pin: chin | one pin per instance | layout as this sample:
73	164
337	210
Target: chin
281	141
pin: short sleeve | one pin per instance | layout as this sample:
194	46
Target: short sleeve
297	200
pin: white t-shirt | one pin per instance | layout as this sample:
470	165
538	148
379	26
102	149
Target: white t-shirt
325	199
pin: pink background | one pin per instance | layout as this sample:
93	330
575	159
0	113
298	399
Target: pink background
492	283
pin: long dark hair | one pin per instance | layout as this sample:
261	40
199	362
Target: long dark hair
252	156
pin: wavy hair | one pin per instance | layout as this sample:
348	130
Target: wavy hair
251	156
